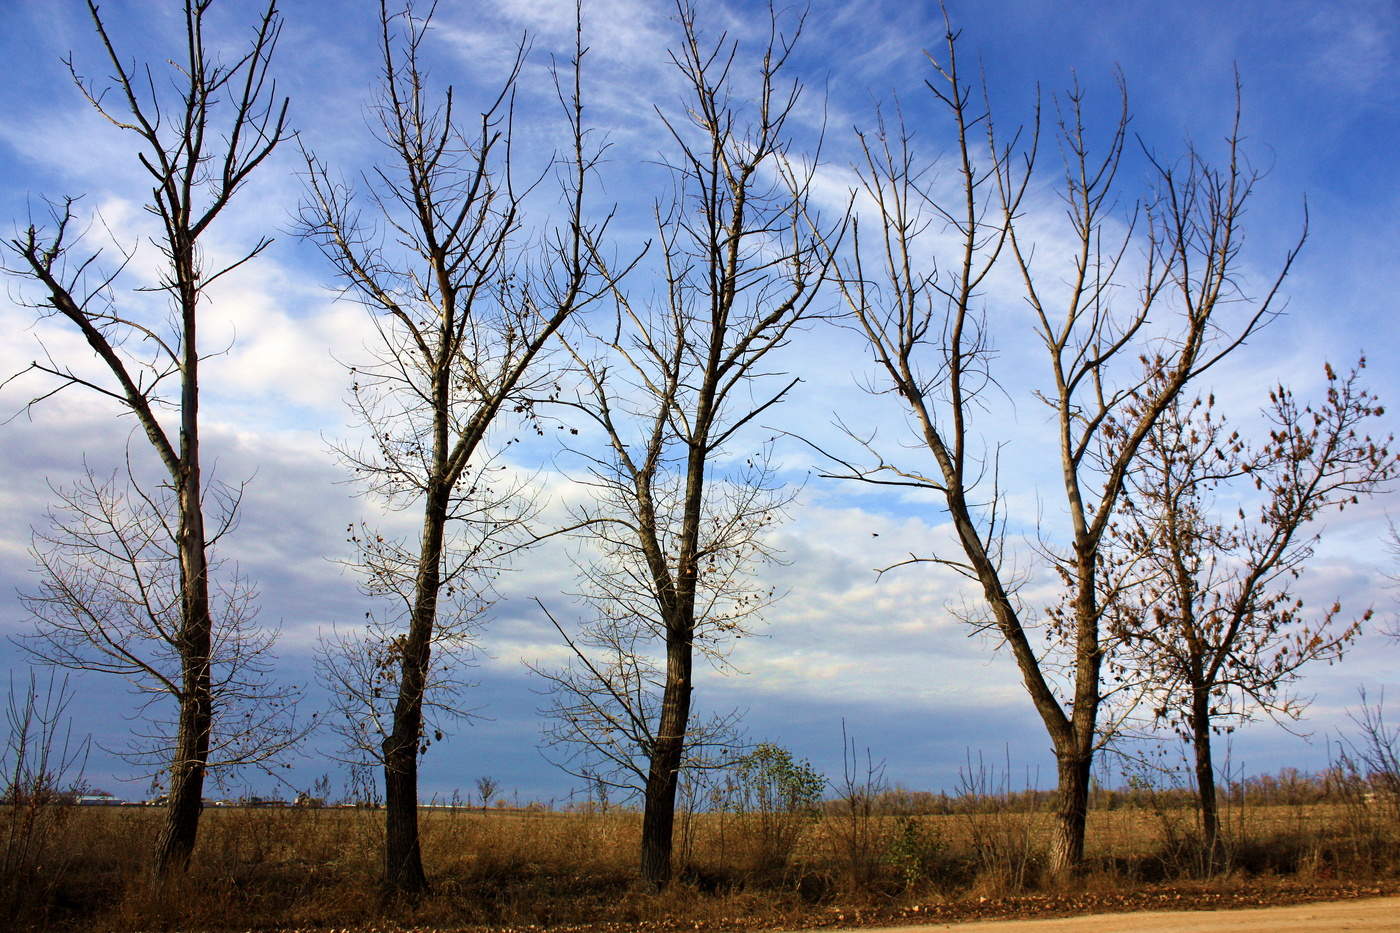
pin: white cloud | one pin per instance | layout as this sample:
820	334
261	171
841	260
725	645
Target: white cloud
1354	49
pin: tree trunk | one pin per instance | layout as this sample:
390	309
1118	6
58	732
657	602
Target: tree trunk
1072	810
1074	749
659	813
1205	781
185	797
403	860
184	801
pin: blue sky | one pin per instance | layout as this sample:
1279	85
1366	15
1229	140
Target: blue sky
1321	118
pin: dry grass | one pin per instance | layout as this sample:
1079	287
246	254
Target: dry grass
317	868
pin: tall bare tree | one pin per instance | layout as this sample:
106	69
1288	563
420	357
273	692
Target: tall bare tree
670	386
918	309
200	131
463	310
1213	629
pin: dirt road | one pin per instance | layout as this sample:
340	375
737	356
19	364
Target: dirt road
1370	914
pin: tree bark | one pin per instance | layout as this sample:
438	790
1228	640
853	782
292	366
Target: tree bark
658	815
1072	810
1205	781
1075	751
185	799
403	860
176	841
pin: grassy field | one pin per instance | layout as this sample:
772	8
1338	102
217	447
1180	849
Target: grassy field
300	868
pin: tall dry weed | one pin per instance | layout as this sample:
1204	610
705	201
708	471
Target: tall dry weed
42	769
1008	842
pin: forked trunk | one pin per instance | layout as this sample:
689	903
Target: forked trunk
1072	811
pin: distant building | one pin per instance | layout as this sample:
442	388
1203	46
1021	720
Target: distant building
263	802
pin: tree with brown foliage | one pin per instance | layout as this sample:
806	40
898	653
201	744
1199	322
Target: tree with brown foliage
1211	628
463	311
919	313
200	132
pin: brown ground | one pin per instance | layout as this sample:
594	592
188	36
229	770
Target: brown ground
1263	906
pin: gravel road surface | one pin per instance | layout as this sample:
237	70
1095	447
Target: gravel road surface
1371	914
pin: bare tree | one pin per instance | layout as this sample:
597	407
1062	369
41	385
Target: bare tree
670	387
919	313
1373	755
109	600
200	133
362	666
1391	628
41	765
1214	629
462	311
486	788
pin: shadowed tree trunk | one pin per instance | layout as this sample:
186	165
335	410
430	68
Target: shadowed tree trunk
1205	778
403	862
658	813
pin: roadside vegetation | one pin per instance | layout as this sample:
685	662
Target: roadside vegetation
765	853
